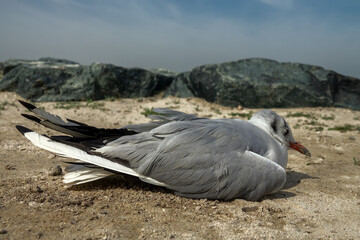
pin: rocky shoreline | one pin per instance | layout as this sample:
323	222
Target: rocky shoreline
255	82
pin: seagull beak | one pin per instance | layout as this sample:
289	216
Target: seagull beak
298	147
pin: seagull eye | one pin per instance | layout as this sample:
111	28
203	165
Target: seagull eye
286	131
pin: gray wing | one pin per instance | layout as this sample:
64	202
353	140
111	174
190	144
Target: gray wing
166	114
162	116
244	175
202	159
214	161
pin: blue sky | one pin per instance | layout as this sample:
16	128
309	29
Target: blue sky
179	35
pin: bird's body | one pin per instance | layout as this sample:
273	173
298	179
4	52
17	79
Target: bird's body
195	157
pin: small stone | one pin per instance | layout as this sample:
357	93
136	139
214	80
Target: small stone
55	171
353	138
319	160
39	190
10	167
94	218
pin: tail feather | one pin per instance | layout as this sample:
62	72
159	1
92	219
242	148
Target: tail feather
89	165
71	127
58	128
46	116
68	151
79	174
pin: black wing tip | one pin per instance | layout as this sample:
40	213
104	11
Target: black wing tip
76	122
31	117
27	105
22	129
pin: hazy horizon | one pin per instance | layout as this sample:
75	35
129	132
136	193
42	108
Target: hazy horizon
180	35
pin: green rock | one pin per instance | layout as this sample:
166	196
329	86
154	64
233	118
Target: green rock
256	83
62	80
263	83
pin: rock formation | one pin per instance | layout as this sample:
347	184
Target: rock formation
256	82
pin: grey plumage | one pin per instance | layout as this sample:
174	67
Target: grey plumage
195	157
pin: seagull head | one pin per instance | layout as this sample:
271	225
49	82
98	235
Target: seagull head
278	128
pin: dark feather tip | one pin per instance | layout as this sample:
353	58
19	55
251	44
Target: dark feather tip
31	117
27	105
22	129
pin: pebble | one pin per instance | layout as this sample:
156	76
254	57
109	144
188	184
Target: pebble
39	190
10	167
319	160
352	138
55	171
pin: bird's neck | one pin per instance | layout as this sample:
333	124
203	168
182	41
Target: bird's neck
260	123
263	125
279	154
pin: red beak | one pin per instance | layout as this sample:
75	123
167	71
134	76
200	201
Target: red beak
298	147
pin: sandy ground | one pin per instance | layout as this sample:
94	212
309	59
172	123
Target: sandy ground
320	200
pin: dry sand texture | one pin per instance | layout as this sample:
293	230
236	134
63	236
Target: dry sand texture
319	201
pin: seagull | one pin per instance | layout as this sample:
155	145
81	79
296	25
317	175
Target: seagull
194	157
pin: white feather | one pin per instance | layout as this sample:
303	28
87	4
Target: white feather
86	174
72	152
152	181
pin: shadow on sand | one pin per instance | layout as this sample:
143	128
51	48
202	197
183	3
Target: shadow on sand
293	179
129	182
121	181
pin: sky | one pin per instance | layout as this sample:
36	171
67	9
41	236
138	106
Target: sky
181	34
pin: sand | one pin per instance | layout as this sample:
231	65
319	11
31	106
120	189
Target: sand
320	200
